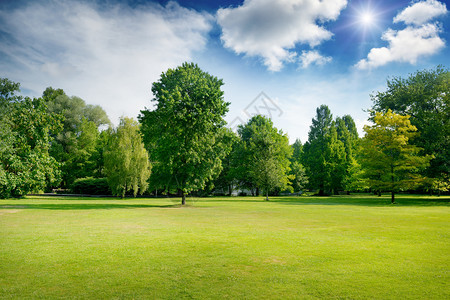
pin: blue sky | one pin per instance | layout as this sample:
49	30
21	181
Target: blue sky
298	53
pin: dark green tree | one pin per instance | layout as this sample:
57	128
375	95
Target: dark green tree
25	163
349	169
318	150
227	180
425	96
183	134
267	152
298	171
70	148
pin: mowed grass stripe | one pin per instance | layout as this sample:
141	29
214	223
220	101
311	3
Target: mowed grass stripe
354	247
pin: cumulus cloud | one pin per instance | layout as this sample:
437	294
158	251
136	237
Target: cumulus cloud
271	29
108	55
415	41
313	57
405	45
421	12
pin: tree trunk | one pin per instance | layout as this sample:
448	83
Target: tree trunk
267	195
392	197
183	198
379	193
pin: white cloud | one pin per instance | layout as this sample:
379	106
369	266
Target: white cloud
421	12
313	57
418	39
270	29
107	55
405	45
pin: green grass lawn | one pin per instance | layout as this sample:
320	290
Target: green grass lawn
342	247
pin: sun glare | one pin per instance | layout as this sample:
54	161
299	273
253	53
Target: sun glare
367	18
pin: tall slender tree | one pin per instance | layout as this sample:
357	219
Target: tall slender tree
298	172
318	150
127	165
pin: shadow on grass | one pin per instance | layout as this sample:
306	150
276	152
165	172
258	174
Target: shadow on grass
374	201
348	200
355	200
71	206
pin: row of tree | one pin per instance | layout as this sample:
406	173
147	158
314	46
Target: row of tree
183	146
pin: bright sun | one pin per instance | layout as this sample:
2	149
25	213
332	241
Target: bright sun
367	18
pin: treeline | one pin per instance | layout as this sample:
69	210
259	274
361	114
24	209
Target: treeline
182	146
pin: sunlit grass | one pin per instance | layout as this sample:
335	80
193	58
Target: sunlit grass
241	248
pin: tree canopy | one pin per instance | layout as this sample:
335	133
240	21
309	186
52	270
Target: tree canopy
75	145
267	152
25	163
126	161
425	97
183	132
390	161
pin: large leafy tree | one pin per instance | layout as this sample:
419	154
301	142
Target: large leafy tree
127	164
184	132
390	161
75	145
268	152
25	163
425	96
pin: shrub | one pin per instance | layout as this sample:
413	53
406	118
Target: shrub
91	186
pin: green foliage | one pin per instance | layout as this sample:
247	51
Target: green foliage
127	166
266	152
330	153
390	162
425	96
75	145
324	153
183	133
349	169
91	186
25	163
227	179
299	179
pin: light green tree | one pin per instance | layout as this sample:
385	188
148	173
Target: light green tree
127	166
390	161
183	134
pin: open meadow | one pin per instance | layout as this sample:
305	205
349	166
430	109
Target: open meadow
340	247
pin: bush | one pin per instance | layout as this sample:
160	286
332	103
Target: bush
91	186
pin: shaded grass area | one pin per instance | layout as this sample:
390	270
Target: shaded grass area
354	247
